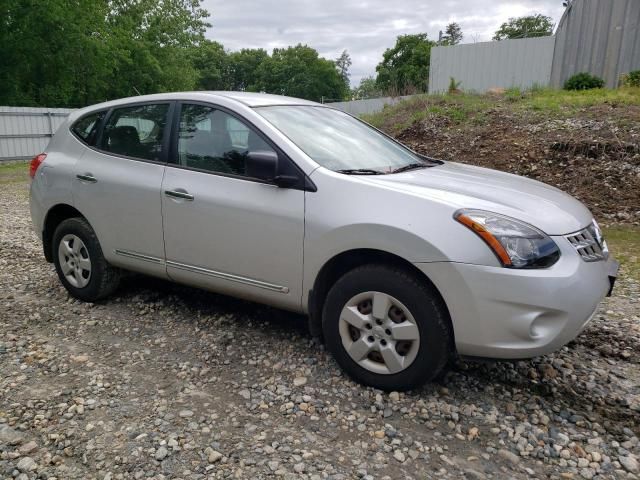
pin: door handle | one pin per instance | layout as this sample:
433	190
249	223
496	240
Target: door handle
87	177
179	194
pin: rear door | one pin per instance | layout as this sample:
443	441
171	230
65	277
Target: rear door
117	185
223	229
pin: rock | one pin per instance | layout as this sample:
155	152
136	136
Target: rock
161	453
474	474
246	394
630	464
10	436
587	473
399	456
80	358
26	464
561	439
548	372
28	448
394	397
379	434
299	467
509	456
185	413
299	381
213	456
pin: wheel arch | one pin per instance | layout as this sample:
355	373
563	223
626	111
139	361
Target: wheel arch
345	261
56	214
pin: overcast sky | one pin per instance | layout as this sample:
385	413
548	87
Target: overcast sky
365	28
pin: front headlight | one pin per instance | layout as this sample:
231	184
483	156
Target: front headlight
515	243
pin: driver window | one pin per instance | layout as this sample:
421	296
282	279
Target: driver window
212	140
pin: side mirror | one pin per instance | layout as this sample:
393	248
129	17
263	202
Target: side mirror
263	164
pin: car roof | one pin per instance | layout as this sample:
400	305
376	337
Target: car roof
249	99
252	99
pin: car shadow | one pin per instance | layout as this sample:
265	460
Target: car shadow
199	302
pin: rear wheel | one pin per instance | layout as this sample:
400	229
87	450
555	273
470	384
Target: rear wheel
386	327
79	261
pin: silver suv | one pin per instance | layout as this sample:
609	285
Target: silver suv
399	260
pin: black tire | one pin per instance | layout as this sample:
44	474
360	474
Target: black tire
103	279
424	304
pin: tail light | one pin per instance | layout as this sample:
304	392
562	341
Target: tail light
35	163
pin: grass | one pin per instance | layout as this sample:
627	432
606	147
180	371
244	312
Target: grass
470	107
549	100
14	172
458	108
624	243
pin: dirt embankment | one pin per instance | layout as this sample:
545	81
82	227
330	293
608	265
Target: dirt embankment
593	153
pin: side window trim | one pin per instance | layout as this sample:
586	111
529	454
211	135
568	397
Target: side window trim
174	160
164	154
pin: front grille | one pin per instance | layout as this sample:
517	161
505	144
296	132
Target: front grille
589	244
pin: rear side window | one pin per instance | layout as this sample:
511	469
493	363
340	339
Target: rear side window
86	129
136	131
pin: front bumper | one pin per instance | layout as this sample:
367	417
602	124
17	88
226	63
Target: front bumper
508	313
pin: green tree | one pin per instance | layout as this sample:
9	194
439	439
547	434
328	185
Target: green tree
452	35
368	88
405	67
529	26
243	66
213	66
343	63
53	53
153	40
62	53
300	72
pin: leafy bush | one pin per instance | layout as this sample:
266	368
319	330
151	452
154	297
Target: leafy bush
454	87
583	81
632	79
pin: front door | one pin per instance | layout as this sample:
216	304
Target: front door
225	230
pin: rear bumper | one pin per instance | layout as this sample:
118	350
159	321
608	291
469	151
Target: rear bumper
37	211
508	313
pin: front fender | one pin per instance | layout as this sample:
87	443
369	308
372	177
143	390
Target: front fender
321	248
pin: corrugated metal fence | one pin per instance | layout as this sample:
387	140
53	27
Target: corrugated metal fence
368	106
599	37
25	131
478	67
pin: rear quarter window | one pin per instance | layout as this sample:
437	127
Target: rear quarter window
86	129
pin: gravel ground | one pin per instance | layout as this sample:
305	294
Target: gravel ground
164	381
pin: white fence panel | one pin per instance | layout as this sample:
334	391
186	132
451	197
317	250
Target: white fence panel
371	105
479	67
25	131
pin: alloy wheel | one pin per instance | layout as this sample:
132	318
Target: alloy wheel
74	260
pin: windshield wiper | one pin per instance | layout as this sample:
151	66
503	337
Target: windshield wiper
360	171
411	166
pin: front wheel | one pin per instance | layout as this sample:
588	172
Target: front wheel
386	327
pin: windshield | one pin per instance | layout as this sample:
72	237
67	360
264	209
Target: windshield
340	142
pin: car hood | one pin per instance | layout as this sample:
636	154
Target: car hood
465	186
